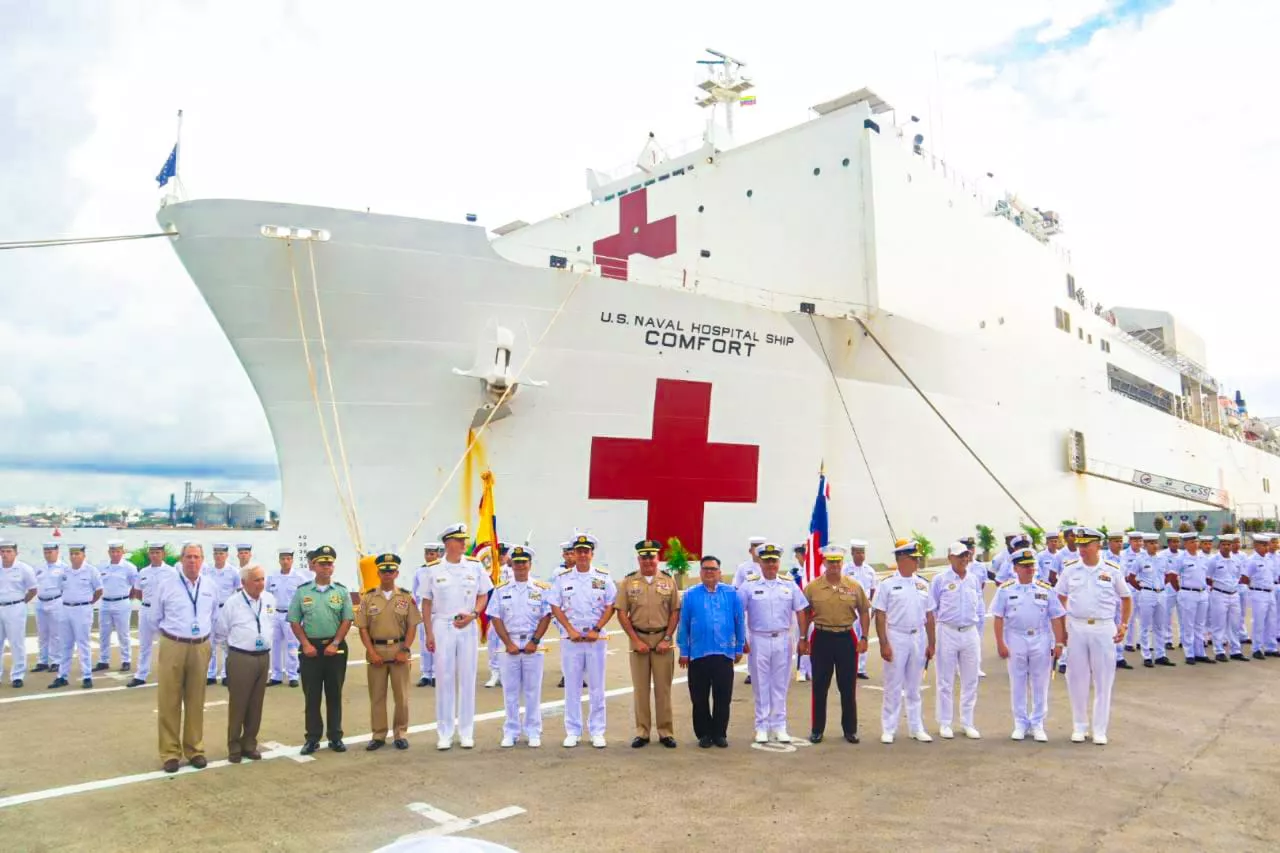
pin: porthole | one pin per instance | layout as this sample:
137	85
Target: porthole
816	171
844	162
749	193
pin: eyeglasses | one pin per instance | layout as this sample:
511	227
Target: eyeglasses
387	571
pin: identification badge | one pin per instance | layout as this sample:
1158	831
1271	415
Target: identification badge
259	643
195	629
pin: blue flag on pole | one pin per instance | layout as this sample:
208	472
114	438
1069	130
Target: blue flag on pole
818	531
170	169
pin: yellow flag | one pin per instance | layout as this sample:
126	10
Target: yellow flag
487	528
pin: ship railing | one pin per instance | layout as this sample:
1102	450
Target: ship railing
1157	349
674	151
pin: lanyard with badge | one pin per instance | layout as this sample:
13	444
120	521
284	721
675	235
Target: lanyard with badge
257	618
195	608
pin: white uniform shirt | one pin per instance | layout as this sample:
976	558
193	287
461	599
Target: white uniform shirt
770	606
743	571
1259	571
118	579
79	585
1046	561
583	596
225	580
49	580
520	606
282	587
905	602
865	575
956	601
184	609
16	581
452	588
149	579
1093	592
247	623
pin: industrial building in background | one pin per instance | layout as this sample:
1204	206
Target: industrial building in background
219	509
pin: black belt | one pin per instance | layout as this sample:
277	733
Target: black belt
121	598
1224	592
191	641
839	630
1257	589
54	598
16	601
146	604
255	653
388	642
319	641
1150	589
77	604
1194	588
661	630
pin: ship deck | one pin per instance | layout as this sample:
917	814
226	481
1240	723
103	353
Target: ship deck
1193	764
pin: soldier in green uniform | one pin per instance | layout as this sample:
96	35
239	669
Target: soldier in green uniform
649	610
320	616
388	619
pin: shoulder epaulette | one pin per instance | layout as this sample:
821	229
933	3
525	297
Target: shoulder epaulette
1044	584
1070	561
542	584
431	563
564	571
1007	584
402	589
601	571
338	583
1112	564
752	578
665	573
633	574
371	590
501	584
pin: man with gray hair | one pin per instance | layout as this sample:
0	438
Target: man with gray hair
247	621
184	608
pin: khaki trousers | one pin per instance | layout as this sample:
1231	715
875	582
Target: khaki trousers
246	689
180	676
658	670
398	675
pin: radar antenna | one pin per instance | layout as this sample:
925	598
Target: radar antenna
723	86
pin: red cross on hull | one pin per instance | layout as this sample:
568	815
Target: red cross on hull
677	470
636	236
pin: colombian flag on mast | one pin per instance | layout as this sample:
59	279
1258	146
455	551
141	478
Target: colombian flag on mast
487	537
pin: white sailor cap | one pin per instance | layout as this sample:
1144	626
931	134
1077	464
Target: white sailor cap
433	546
584	540
458	530
76	546
832	552
8	543
1150	537
757	540
157	546
1187	534
115	543
958	549
1020	540
49	545
244	546
1262	537
800	546
858	544
566	546
221	546
1136	534
1231	537
1204	537
1053	534
284	552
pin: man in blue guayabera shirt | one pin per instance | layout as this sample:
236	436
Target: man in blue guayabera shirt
712	633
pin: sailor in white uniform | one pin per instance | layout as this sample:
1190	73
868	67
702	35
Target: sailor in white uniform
1113	553
1091	588
581	600
431	554
978	575
1260	576
1134	551
49	609
520	612
81	589
957	609
116	606
1029	634
225	580
1224	601
1193	601
747	568
1238	615
1145	574
147	587
504	576
804	663
455	593
905	628
282	585
1003	564
1047	560
17	587
860	570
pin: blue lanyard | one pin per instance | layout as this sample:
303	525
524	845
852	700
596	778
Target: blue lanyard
195	608
257	615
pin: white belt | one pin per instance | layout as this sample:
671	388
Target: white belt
1109	621
1029	632
955	627
905	630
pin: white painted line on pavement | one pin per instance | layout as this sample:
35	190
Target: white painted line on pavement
449	824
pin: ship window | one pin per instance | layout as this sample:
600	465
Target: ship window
749	193
816	171
663	177
689	167
1106	346
650	182
699	208
844	162
1071	286
1061	319
621	193
609	197
679	171
1266	485
1090	339
636	187
1080	332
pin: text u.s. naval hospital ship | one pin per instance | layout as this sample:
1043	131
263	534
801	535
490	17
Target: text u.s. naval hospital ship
700	337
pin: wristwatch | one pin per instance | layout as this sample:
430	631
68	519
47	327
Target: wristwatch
666	639
535	640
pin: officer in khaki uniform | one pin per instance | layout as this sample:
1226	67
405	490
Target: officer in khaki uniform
836	604
648	606
387	619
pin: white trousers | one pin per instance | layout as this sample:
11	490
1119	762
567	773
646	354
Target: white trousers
1261	605
1170	606
77	625
284	650
583	657
1193	614
217	650
1223	609
1091	659
457	651
522	681
48	631
146	641
770	666
956	651
425	658
13	630
1150	609
496	652
1030	664
902	675
113	618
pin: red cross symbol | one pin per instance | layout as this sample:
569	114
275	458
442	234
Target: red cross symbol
677	470
636	236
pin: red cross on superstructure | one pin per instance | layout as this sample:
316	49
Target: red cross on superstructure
677	470
636	236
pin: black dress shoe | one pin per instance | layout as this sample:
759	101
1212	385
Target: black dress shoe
637	743
1204	659
1190	661
374	744
561	684
209	681
400	743
423	681
862	676
1273	654
746	680
853	738
17	682
337	745
124	667
1149	664
135	682
275	682
1220	658
431	682
87	683
1238	656
704	742
1164	661
1130	648
723	743
199	762
309	747
224	681
1168	645
1123	664
58	682
41	667
293	682
101	667
171	766
235	759
668	741
1259	656
815	737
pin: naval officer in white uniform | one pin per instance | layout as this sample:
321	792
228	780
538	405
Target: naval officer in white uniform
81	589
116	606
17	587
1090	589
863	572
431	554
905	628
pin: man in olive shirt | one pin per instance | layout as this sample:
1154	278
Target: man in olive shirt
387	619
648	605
835	603
320	616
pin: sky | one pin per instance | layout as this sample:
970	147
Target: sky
1145	123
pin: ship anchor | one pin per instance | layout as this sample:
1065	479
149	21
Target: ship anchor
497	377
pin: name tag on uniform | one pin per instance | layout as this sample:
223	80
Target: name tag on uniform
402	606
757	592
1042	596
663	586
506	597
1104	577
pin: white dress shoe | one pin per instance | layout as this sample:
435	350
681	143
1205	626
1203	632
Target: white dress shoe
535	742
1100	740
494	680
887	737
971	733
1040	736
922	736
599	742
443	744
781	736
1018	734
762	736
945	732
507	742
571	741
1077	737
466	742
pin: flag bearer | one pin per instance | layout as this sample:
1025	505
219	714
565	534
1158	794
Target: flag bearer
431	554
81	589
957	607
388	619
905	627
582	600
284	645
1030	635
116	607
49	609
520	614
225	580
835	604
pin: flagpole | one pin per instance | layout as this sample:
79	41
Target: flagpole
177	154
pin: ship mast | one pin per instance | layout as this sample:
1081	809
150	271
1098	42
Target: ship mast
723	86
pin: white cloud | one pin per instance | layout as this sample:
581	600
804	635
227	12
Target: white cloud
1160	159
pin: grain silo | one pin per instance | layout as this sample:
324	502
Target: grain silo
209	511
247	512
